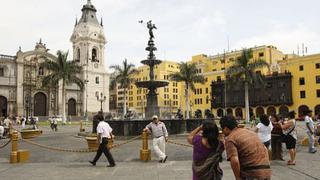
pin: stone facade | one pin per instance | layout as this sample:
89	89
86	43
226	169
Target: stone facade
21	75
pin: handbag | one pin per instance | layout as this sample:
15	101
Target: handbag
284	137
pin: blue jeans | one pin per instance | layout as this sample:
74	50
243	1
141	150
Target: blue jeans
311	142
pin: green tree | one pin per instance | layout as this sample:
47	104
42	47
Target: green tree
62	70
123	76
244	69
188	74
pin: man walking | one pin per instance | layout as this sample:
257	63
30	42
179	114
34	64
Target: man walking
310	130
104	132
160	137
248	157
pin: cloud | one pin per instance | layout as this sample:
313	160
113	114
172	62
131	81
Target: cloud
287	39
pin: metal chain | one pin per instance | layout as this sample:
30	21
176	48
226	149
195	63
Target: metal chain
76	150
126	142
5	144
180	144
59	149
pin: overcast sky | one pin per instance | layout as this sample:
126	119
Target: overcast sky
185	27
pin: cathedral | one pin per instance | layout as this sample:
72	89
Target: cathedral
21	90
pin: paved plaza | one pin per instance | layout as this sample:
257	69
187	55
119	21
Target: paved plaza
49	164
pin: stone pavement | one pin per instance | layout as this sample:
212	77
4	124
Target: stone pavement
47	164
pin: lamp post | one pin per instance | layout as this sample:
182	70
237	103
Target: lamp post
101	99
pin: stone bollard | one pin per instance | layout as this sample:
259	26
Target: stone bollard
14	147
145	153
110	143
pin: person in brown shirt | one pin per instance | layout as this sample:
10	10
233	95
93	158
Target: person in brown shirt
247	155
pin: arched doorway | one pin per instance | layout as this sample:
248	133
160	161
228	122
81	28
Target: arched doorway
239	113
229	111
40	104
283	110
220	113
198	113
3	106
259	111
317	109
72	107
302	109
271	111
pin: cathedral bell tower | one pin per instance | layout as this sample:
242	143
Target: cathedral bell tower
88	42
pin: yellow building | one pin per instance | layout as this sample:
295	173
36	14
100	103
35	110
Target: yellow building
305	81
213	69
169	97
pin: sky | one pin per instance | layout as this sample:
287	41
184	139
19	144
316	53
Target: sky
185	27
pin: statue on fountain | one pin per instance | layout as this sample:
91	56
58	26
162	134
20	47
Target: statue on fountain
151	27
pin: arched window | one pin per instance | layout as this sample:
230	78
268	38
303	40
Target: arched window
94	56
40	71
78	55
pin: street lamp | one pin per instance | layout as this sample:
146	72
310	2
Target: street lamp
28	101
101	99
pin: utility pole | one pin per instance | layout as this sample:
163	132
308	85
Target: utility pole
225	82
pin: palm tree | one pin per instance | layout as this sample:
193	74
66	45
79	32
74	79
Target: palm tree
189	76
123	76
244	69
62	69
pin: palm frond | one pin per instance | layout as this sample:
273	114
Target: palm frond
260	63
62	69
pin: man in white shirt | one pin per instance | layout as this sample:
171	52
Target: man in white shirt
310	130
104	132
160	137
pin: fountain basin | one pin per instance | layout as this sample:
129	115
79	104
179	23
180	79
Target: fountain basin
150	62
30	133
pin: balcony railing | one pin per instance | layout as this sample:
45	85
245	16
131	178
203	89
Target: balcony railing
2	56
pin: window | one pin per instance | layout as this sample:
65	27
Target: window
207	91
94	55
318	92
1	72
218	78
78	55
318	79
317	65
301	81
97	80
302	94
40	71
301	68
261	54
